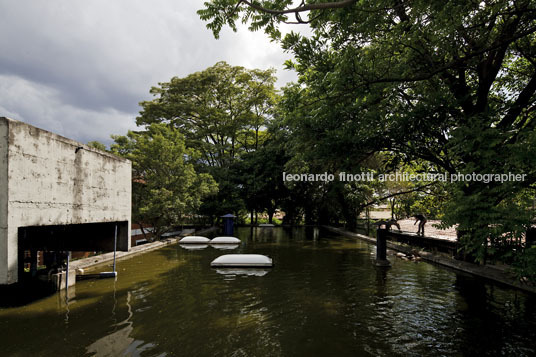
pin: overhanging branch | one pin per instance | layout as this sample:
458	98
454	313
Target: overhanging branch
419	188
301	8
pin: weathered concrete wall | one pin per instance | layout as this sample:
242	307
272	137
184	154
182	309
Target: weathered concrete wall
44	181
4	262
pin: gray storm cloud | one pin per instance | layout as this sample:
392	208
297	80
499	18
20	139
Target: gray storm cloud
80	68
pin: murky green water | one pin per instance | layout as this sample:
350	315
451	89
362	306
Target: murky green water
324	297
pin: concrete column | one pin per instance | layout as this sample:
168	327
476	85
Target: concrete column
381	248
58	279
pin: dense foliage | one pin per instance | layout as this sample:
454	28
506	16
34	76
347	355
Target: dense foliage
384	87
165	185
221	111
449	83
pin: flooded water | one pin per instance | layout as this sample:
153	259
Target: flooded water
324	297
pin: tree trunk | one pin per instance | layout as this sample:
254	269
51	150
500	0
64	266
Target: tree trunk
309	219
143	231
270	215
530	237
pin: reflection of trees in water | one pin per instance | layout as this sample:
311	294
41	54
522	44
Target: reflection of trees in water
492	319
261	234
279	234
208	315
409	310
329	300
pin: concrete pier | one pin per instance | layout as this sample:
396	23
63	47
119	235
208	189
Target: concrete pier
381	248
60	278
490	272
107	258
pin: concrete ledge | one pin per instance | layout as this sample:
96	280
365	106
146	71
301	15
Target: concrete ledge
484	271
109	257
58	279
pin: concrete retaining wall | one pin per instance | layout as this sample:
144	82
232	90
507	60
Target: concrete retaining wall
46	179
489	272
107	258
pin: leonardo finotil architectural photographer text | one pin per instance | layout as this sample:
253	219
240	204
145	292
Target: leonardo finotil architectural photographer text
404	176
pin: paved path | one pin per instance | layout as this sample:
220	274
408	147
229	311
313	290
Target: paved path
408	225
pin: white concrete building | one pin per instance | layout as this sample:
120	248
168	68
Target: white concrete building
57	194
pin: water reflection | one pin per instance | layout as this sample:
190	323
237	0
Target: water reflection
194	246
248	272
323	298
381	281
501	317
116	343
66	298
280	234
225	246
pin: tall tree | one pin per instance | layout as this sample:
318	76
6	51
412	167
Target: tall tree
449	82
165	185
221	112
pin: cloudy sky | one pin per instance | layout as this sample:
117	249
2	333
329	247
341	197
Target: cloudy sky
79	68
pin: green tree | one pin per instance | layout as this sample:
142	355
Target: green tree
221	112
262	177
452	83
97	145
165	185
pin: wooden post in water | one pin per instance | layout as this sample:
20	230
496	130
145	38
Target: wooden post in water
381	248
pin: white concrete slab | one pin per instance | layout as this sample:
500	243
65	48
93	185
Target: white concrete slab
242	260
194	240
225	240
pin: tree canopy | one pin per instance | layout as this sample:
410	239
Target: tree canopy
165	186
222	112
451	83
219	110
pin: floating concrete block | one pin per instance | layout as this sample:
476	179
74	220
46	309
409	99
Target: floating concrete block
194	240
225	240
242	260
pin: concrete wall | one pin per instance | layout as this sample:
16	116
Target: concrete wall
43	181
